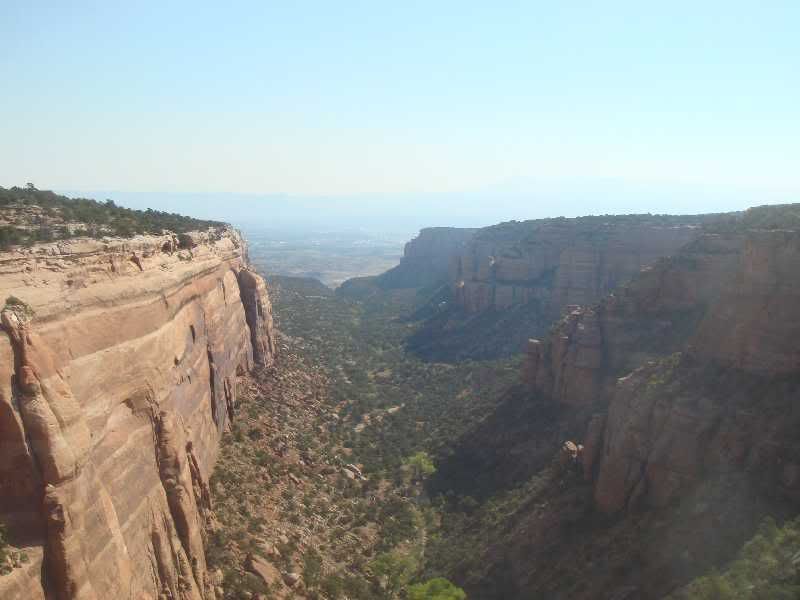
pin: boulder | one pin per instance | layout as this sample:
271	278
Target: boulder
291	579
262	568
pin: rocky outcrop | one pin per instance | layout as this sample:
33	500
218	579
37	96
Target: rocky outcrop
652	433
118	360
691	371
258	312
654	315
512	281
755	326
426	258
553	263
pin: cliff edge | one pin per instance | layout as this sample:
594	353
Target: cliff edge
654	430
691	371
510	281
118	359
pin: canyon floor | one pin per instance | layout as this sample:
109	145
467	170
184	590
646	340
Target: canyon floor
645	448
317	491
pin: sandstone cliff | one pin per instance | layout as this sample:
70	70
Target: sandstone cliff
654	431
424	264
117	378
558	262
426	258
512	280
692	371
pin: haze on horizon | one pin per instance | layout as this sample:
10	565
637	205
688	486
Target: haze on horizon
404	115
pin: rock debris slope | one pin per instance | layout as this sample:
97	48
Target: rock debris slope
118	365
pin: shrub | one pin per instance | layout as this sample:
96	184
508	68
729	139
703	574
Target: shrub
14	303
421	465
312	568
11	236
765	568
436	589
3	544
396	568
98	216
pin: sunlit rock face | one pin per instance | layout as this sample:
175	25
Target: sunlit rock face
117	379
555	263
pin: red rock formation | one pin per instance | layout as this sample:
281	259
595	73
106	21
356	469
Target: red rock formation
756	322
558	262
653	315
117	378
666	430
729	305
426	258
258	312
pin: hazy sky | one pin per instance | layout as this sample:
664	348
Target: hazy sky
330	98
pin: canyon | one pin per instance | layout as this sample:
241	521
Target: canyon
512	280
656	427
425	263
644	431
426	258
560	262
727	307
119	361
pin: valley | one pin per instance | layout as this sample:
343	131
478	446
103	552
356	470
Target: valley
320	466
528	497
400	301
329	256
580	408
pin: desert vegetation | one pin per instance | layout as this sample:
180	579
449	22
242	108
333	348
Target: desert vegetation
29	216
456	470
323	473
767	217
10	558
768	566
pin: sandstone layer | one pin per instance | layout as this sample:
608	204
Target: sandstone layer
554	263
509	282
118	363
653	432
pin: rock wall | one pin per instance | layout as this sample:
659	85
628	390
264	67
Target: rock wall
653	315
756	322
558	262
692	372
117	378
426	258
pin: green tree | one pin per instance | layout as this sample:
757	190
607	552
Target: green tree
765	568
312	569
421	465
3	546
395	568
436	589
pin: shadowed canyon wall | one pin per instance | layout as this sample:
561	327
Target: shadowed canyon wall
692	370
117	378
510	281
653	431
426	258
